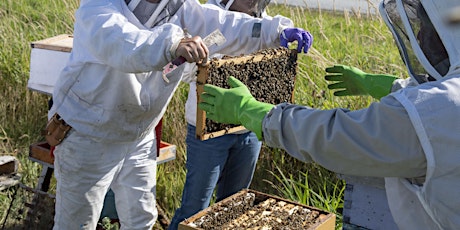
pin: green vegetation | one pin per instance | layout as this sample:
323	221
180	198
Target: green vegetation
361	40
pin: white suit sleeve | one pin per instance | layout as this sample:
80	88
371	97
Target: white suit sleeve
244	34
103	31
377	141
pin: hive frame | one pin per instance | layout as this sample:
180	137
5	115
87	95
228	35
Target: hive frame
202	78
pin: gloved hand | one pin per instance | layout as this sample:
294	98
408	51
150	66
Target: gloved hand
304	39
234	106
353	81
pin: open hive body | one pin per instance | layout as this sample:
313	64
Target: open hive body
249	209
269	74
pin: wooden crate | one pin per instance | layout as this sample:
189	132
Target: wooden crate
40	152
239	208
269	75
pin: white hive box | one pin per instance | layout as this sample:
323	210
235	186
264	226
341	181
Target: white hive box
366	204
47	59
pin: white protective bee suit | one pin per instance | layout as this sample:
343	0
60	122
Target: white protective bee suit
113	94
411	137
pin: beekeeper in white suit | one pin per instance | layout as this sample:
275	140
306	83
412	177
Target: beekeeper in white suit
112	93
411	137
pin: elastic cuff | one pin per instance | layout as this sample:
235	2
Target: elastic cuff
172	50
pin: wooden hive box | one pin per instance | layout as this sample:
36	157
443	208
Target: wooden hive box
250	209
269	75
40	152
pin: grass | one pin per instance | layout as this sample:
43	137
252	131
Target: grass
351	38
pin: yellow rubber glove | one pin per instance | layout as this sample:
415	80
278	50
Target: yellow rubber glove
234	106
353	81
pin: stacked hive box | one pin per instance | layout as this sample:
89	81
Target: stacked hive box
269	75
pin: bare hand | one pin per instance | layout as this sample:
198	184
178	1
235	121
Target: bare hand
193	50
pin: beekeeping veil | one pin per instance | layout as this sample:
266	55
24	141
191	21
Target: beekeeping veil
429	45
152	14
261	5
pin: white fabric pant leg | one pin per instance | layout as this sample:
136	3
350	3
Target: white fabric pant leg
84	170
135	187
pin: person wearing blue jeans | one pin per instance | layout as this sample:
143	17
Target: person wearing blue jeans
227	162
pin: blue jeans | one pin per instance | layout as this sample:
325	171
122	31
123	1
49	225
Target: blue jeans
109	209
227	162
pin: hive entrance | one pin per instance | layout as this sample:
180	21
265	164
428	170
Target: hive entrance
269	74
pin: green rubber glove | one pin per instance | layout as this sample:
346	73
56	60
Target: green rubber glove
234	106
353	81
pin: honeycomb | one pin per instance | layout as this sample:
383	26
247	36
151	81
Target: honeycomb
269	74
250	209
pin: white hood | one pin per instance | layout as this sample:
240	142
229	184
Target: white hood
411	21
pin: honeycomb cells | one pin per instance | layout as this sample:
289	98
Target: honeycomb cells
269	74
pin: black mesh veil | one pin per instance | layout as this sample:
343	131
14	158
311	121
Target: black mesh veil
418	41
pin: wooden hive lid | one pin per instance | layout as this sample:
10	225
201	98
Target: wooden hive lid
63	43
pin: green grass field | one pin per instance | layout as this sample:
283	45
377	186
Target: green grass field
360	40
